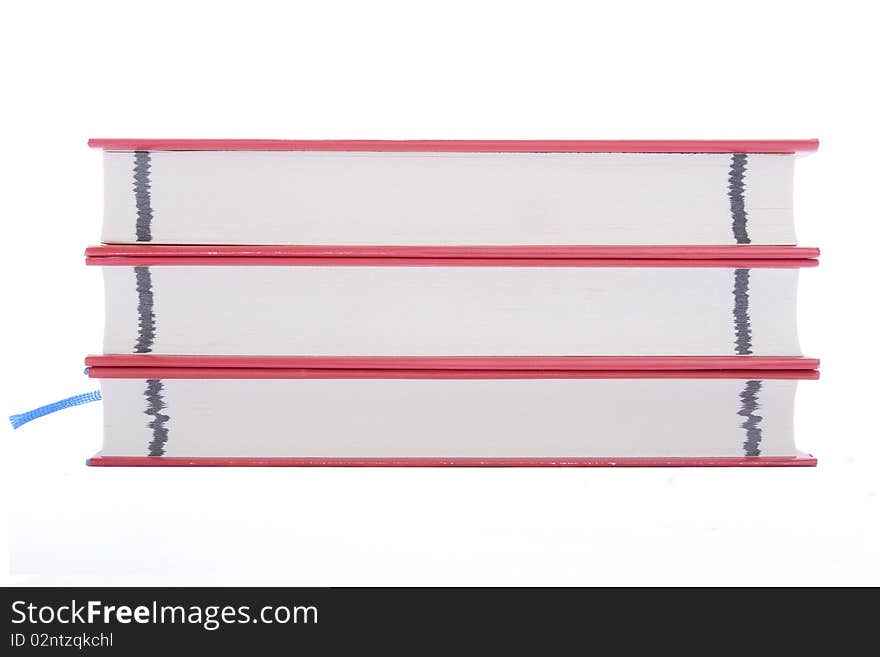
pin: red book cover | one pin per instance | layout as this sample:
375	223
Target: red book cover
450	256
467	145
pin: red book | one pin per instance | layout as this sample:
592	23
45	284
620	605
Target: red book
269	301
248	412
540	197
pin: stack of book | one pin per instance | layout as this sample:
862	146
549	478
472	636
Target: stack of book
450	302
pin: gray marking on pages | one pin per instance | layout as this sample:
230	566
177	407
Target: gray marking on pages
736	192
155	403
143	227
748	405
742	324
146	316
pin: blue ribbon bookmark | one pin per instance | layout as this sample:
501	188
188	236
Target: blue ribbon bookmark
76	400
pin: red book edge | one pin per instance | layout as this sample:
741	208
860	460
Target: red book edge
158	261
604	252
286	373
468	145
255	261
466	363
800	460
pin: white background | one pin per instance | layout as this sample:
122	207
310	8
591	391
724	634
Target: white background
72	70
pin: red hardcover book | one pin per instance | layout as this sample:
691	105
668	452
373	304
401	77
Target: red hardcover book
248	412
631	302
417	197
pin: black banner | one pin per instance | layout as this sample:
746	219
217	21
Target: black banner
178	620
